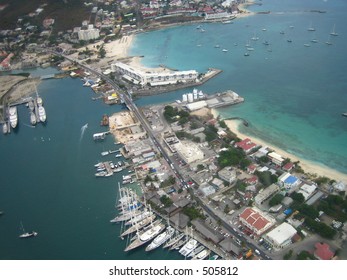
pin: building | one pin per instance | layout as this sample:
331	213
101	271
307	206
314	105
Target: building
288	181
196	105
323	251
227	174
218	16
189	151
89	34
256	220
246	145
288	167
266	193
276	158
141	77
206	189
229	246
307	190
281	236
207	232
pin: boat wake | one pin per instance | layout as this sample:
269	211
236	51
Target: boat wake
28	125
83	129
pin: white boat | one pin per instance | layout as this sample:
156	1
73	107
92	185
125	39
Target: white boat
42	114
146	236
174	240
105	153
196	251
188	247
161	239
333	33
307	45
138	218
311	28
224	50
250	49
4	128
33	120
13	116
31	105
27	234
203	254
139	225
99	136
226	21
217	46
118	155
39	101
101	174
255	37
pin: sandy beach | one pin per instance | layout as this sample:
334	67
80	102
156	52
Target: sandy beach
118	48
307	166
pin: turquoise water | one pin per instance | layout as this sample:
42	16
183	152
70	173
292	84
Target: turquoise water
294	94
294	99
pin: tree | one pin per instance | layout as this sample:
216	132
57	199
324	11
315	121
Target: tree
226	209
200	167
276	199
298	197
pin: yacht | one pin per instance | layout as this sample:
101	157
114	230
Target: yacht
118	155
203	254
224	50
13	116
174	240
42	113
196	251
146	236
307	45
105	153
5	128
311	28
138	218
39	101
31	105
246	54
101	174
139	225
188	247
33	118
344	114
161	239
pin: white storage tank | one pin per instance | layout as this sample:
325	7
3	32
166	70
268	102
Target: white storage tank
184	98
201	95
190	97
195	95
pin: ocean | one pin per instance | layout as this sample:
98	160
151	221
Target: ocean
294	95
294	99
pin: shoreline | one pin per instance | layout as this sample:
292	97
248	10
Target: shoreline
307	165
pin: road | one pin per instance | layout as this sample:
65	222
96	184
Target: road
132	107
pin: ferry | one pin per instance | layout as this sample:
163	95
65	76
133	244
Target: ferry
13	116
42	113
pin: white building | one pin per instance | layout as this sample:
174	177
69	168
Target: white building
141	77
189	151
276	158
227	174
281	236
289	181
196	105
307	190
216	16
266	193
89	34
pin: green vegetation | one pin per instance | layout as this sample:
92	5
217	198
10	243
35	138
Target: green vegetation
321	228
222	124
200	167
193	213
211	133
334	206
298	197
266	178
240	185
166	201
172	114
321	180
304	255
288	255
231	157
168	182
276	199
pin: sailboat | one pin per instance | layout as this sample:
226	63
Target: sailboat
328	42
27	234
311	28
333	33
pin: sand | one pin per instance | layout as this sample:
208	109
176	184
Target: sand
118	48
307	165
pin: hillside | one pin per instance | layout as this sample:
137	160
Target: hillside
67	15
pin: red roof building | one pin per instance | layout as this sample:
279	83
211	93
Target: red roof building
256	221
252	181
251	168
246	145
287	167
323	251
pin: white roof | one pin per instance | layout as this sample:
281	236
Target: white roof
196	105
281	233
309	189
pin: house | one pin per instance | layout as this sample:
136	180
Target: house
323	252
256	220
229	246
227	174
276	158
246	145
266	193
288	181
251	168
207	232
288	166
252	180
179	220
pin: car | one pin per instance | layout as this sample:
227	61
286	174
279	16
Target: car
257	251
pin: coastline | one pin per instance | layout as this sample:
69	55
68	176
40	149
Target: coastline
307	165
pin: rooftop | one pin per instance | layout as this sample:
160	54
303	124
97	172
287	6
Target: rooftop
323	251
